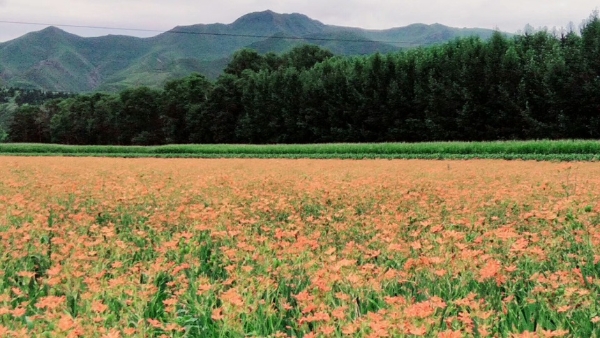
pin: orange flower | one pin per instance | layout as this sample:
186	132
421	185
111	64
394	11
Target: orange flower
129	331
19	312
217	314
327	330
98	307
349	329
170	301
155	323
66	323
114	333
417	331
232	297
26	274
490	269
50	302
450	334
340	312
420	310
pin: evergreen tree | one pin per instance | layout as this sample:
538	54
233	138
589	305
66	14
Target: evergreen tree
181	101
140	117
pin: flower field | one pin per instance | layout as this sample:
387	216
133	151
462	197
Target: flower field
101	247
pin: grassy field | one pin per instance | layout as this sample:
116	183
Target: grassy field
104	247
568	150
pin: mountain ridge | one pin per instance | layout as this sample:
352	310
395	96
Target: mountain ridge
55	60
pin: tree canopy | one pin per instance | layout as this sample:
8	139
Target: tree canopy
531	86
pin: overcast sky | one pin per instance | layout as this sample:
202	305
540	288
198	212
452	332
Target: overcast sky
507	15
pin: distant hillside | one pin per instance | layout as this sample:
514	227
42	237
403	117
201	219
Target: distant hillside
55	60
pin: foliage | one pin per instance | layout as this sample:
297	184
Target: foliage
577	150
534	86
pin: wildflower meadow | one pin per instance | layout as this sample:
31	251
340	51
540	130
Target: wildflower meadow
108	247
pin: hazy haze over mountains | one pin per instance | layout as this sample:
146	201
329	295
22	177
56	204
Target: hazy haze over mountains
53	59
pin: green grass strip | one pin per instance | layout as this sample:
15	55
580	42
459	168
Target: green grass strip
566	150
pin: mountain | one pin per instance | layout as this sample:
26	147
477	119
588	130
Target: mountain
52	59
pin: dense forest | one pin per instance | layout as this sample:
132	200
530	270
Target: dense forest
12	98
531	86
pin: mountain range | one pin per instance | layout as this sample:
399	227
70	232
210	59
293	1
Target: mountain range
54	60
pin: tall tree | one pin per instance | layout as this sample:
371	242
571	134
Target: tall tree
180	101
26	126
140	117
305	57
245	59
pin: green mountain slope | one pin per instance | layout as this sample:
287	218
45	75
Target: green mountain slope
52	59
422	35
342	43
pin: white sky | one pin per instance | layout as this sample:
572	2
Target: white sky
507	15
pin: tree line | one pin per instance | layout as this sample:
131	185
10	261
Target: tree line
22	96
531	86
